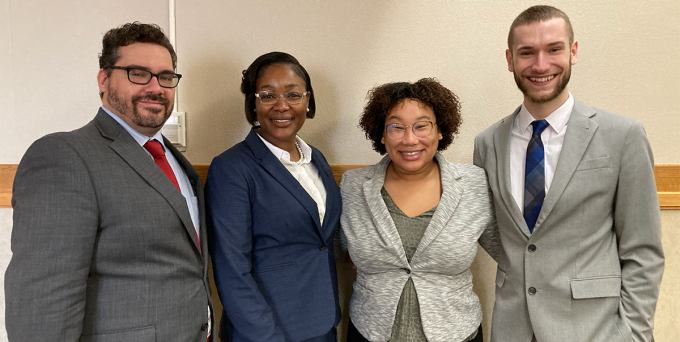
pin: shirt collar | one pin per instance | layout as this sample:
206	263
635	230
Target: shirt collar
140	138
557	119
284	156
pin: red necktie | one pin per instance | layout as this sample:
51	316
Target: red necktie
156	149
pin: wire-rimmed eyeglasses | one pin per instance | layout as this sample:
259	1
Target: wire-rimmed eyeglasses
421	129
291	97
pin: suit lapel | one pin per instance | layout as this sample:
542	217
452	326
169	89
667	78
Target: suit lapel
381	215
332	192
451	195
197	187
502	147
580	131
135	156
274	167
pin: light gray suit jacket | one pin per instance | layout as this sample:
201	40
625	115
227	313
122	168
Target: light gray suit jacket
595	259
104	246
440	267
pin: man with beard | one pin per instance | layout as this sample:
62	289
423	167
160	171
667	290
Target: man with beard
109	237
575	200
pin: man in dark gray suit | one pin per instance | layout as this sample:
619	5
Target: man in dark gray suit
575	200
109	239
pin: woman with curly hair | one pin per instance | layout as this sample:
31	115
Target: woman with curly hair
411	222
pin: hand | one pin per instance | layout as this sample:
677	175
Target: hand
349	260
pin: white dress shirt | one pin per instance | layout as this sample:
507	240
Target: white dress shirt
305	173
184	184
552	137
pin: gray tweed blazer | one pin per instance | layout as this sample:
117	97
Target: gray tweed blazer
440	267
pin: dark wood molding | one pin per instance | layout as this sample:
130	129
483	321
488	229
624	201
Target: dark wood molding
667	182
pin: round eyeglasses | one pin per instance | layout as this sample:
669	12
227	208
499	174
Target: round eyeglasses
165	79
291	97
421	129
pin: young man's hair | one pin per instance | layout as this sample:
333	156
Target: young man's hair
539	13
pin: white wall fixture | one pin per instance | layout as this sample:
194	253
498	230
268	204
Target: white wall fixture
175	130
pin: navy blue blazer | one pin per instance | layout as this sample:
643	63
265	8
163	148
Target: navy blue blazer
272	259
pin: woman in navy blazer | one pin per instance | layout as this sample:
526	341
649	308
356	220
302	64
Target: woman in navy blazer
273	208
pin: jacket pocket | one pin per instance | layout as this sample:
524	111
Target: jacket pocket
597	163
598	287
144	334
500	277
275	267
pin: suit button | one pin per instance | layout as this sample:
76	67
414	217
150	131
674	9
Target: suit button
322	246
204	327
532	248
406	270
532	290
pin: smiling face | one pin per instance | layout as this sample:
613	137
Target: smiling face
144	107
410	154
541	60
280	122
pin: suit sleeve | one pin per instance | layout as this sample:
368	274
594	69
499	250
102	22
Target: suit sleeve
490	239
477	154
340	239
229	212
53	237
638	229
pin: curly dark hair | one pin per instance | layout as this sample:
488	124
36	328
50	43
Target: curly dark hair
255	71
130	33
427	91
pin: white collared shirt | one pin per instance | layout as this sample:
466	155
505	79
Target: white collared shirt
182	179
306	173
552	137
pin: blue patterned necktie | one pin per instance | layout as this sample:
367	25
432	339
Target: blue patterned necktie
534	175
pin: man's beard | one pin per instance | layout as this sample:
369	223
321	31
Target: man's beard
559	88
150	121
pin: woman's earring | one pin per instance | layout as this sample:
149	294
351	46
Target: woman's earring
307	110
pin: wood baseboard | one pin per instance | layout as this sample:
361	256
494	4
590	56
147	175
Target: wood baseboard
667	182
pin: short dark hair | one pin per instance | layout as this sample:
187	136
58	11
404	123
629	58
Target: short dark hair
255	71
539	13
130	33
427	91
127	34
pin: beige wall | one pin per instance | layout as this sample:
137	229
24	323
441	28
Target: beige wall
628	62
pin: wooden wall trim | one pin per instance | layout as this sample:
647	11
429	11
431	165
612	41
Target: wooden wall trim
7	172
667	182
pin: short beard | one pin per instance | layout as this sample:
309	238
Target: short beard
519	80
123	107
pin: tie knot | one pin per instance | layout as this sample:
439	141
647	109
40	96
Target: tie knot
539	126
155	148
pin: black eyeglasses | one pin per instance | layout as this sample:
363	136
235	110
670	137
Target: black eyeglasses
141	76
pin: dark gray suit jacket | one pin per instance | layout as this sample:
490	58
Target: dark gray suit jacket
103	243
592	267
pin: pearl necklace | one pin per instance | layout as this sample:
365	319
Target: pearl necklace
302	156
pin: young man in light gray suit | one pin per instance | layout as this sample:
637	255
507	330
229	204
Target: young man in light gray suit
575	200
109	237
